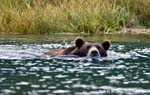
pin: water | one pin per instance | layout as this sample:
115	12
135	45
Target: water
25	70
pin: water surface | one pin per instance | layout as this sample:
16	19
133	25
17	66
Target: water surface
25	69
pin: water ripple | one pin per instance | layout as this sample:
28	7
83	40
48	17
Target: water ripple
24	69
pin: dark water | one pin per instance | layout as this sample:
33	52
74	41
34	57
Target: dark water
25	70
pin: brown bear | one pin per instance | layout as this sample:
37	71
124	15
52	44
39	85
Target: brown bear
83	49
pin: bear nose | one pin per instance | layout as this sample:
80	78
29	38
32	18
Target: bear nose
94	53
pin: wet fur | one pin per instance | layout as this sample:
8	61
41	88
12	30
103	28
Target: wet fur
81	49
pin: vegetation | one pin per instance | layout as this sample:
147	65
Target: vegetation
89	16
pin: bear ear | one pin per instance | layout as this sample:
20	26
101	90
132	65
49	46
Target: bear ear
79	42
106	44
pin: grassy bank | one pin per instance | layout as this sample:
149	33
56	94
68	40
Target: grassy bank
94	16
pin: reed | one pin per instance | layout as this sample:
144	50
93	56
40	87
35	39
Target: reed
88	16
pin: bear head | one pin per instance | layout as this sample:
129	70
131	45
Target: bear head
91	49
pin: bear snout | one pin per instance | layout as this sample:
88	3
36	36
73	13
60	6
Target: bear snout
93	52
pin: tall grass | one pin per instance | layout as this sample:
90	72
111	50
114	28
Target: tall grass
89	16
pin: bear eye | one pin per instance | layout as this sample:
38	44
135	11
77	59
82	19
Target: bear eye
88	47
98	47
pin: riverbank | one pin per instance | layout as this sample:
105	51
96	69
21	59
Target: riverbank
74	16
136	31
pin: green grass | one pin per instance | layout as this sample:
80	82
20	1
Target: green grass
88	16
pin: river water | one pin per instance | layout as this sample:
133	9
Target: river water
26	70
